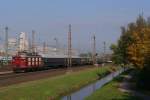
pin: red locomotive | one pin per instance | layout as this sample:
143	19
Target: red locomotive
26	61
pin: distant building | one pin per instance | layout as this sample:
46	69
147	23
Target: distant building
12	41
23	42
12	46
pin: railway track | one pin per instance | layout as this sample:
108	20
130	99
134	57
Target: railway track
15	78
10	74
5	72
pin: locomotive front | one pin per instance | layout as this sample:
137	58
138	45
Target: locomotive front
24	61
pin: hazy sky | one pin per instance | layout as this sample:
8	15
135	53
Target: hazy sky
50	19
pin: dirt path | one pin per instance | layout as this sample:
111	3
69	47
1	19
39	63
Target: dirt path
125	86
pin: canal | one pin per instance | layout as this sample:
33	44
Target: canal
89	89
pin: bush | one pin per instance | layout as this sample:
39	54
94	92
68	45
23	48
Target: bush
144	75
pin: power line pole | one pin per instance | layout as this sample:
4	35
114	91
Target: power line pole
94	50
44	47
6	44
33	41
56	41
104	55
30	45
69	60
56	44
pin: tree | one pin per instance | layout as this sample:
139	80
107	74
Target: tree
133	47
133	44
120	52
138	48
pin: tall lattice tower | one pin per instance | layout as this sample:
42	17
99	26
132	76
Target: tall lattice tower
94	50
69	60
33	41
6	43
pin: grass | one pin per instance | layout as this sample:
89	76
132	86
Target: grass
111	92
51	88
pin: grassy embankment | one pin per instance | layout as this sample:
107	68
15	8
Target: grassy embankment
111	91
52	88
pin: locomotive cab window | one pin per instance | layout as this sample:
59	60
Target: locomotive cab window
29	59
36	59
39	59
32	59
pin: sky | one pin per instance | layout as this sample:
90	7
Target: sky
50	19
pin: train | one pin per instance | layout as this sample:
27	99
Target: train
27	61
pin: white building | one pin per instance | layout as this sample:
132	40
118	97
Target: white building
23	42
12	46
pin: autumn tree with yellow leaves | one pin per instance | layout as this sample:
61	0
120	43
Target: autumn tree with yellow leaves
134	43
133	47
139	48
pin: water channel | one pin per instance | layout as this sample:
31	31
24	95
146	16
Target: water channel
89	89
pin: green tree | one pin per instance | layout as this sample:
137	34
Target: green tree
120	52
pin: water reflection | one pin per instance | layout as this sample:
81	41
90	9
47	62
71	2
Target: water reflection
88	90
